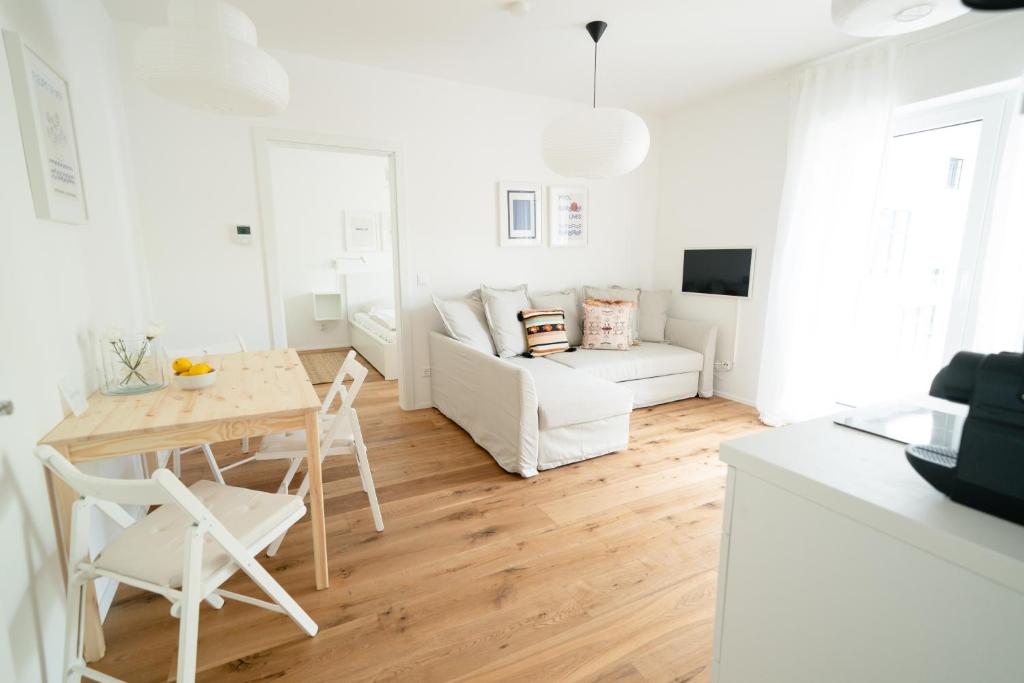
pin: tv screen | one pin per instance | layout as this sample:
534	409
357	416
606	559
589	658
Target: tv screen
717	271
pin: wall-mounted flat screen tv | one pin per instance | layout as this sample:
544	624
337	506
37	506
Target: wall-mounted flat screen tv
725	272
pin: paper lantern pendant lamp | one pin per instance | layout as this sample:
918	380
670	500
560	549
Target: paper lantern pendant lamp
600	142
207	57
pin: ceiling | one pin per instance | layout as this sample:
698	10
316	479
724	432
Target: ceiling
655	54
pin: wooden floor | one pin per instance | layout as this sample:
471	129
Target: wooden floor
602	570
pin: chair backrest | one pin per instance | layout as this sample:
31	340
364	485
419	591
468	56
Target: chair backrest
163	488
350	368
354	369
121	491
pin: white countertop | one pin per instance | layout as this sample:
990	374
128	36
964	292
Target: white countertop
868	478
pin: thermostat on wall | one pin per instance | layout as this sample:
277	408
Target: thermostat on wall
243	234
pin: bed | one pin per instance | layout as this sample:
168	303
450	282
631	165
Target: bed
372	333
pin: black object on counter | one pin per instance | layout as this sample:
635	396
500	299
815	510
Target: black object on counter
987	473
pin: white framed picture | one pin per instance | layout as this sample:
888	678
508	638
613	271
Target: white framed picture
362	231
520	219
47	134
568	216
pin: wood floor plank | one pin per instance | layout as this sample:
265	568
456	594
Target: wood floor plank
603	570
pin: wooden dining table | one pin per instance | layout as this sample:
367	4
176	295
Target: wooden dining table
255	393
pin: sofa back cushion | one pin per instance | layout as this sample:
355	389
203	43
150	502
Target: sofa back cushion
545	331
565	300
606	324
501	308
464	320
653	314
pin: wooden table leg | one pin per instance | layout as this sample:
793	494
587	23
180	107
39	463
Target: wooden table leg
152	461
316	498
63	498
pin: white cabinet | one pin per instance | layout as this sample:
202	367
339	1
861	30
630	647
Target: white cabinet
839	563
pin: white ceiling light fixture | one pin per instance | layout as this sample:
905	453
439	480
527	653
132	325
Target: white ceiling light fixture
207	57
600	142
872	18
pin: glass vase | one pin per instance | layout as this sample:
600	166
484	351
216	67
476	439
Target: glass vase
133	365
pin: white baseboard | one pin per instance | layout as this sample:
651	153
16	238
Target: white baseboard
738	399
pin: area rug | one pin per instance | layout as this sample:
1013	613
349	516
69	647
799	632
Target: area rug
322	366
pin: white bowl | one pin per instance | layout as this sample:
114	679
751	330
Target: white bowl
191	382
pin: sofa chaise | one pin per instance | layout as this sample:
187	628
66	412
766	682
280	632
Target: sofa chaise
534	414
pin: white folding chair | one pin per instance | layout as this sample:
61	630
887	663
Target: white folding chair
184	550
340	434
175	454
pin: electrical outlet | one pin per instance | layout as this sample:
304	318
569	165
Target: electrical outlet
426	372
724	365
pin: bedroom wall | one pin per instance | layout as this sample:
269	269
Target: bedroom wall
312	190
196	179
58	283
723	159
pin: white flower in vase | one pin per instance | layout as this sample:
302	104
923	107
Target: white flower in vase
113	334
154	330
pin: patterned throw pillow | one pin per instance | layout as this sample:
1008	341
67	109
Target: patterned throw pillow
545	331
606	325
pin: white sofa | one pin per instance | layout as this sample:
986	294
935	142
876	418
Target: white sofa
534	414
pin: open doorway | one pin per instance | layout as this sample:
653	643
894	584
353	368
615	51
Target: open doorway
331	253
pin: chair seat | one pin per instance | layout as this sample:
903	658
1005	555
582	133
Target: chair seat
287	444
153	548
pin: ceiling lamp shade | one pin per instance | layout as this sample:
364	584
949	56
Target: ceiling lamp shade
206	57
600	142
596	143
871	18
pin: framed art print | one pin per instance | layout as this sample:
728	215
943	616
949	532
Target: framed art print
519	214
362	231
47	133
569	212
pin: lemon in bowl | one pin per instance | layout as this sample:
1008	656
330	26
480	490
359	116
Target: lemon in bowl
191	376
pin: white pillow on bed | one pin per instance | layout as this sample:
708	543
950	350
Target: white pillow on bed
464	320
385	316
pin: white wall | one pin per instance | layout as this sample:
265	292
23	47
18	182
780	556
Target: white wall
312	190
196	179
723	160
57	282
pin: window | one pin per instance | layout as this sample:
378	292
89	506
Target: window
917	301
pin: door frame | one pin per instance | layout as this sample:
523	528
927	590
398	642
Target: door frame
263	139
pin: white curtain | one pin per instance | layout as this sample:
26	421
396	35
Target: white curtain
999	318
837	141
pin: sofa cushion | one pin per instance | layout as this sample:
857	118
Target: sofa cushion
639	362
545	331
567	397
566	300
464	320
606	325
653	314
501	307
616	293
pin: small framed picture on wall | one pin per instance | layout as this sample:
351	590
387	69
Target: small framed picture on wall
43	103
520	220
569	213
362	231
